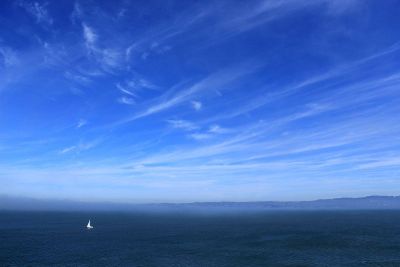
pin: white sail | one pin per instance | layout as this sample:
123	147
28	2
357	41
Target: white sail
88	226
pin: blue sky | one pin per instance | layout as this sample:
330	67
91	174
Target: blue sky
176	101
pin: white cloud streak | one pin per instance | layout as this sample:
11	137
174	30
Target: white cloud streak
196	105
218	80
8	57
81	123
38	11
126	100
89	36
80	147
182	124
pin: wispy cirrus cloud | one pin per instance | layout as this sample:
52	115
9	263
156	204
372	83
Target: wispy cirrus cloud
380	163
125	91
219	79
8	57
182	124
200	136
126	100
81	123
241	19
211	132
217	129
89	36
83	80
253	140
368	87
80	147
38	11
133	87
109	58
197	105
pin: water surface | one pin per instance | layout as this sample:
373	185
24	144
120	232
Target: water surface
280	238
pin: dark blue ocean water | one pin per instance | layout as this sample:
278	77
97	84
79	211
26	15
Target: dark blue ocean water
306	238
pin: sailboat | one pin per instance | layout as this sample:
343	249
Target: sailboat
88	226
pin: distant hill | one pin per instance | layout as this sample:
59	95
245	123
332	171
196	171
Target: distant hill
369	202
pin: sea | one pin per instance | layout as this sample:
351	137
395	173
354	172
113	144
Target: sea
194	239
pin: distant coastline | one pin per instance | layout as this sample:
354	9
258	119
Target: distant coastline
368	202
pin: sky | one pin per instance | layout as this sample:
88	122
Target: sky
181	101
